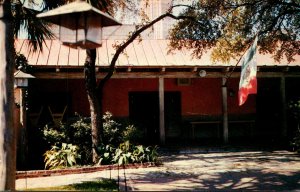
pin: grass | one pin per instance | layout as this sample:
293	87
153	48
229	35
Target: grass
102	185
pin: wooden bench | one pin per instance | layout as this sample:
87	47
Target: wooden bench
214	122
218	123
247	122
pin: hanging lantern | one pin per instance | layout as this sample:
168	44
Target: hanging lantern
21	79
80	24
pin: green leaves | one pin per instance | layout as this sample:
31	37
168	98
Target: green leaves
127	153
57	157
229	26
76	130
294	109
106	153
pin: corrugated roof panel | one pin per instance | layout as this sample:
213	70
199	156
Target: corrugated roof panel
140	53
132	57
186	57
44	55
159	53
81	57
63	59
123	58
268	60
110	50
170	59
180	60
101	57
149	53
33	56
145	53
156	60
73	57
18	45
205	59
54	53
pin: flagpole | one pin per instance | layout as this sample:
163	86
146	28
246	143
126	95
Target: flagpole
231	72
224	95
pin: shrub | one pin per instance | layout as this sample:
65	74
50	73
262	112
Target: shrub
294	107
128	153
115	133
57	157
132	134
53	136
106	153
76	130
123	154
112	129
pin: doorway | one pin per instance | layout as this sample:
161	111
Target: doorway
268	109
144	113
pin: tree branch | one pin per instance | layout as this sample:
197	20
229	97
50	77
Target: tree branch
134	35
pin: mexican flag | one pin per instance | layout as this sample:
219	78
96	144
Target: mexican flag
248	82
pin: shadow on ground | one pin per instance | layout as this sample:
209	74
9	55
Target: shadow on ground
246	170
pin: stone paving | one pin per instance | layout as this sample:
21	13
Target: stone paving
199	170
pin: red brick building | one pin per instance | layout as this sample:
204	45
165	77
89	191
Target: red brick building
165	94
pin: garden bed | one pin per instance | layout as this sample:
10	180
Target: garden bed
46	173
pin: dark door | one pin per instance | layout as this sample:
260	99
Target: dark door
173	115
144	113
268	109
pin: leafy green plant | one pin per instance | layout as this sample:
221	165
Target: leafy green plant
81	136
152	154
294	107
139	153
57	157
76	130
112	129
296	142
127	153
123	154
132	134
106	153
53	136
21	63
116	133
120	149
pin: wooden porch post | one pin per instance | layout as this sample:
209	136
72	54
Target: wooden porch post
225	111
283	108
23	129
161	111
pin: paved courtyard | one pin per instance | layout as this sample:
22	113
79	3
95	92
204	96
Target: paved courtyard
199	170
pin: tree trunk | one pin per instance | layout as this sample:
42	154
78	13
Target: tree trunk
99	91
7	130
90	85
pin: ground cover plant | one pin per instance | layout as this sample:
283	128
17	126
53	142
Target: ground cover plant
101	185
70	144
64	156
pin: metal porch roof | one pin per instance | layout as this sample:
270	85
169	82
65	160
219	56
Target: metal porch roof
147	53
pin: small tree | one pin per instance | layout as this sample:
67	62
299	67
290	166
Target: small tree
95	90
7	130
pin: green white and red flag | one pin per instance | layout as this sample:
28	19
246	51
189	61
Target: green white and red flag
248	81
